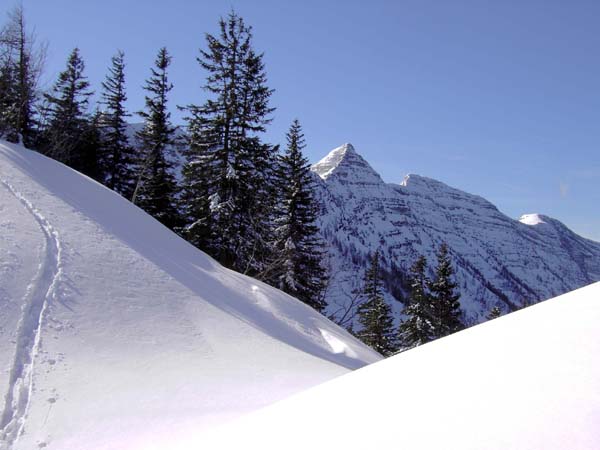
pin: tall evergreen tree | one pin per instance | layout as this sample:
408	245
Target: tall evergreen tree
64	137
418	326
446	302
8	99
118	156
374	314
91	157
227	177
155	190
297	265
21	61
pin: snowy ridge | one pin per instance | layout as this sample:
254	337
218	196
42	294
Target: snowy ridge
128	332
500	261
514	382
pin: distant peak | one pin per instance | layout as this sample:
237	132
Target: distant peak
333	159
532	219
347	166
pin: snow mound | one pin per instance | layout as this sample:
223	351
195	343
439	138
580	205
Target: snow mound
528	380
113	330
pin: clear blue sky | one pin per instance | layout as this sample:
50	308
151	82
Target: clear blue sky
499	98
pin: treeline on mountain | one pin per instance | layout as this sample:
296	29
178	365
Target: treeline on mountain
246	202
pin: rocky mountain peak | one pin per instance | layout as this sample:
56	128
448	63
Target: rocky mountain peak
345	165
499	261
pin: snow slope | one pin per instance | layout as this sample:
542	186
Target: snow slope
114	330
499	261
528	380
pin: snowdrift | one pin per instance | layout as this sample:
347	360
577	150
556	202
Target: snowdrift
114	331
529	380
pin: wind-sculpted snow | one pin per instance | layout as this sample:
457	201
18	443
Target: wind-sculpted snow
527	381
499	261
126	331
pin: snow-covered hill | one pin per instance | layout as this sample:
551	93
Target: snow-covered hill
115	330
527	381
500	261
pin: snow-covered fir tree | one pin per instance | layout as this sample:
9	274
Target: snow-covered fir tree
155	190
418	326
444	298
64	136
118	156
296	266
375	314
227	187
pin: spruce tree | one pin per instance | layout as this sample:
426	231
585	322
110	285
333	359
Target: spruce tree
155	190
64	136
446	302
118	156
92	144
374	314
494	313
297	268
8	100
418	326
227	178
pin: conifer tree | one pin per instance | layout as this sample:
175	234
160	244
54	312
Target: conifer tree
374	314
418	326
296	267
155	190
118	156
92	144
64	136
227	178
494	313
446	302
8	100
21	61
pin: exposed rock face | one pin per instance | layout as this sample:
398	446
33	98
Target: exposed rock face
499	261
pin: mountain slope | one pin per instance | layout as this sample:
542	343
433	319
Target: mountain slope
529	380
500	261
113	329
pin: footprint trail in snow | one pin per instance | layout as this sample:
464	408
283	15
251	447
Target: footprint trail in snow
42	289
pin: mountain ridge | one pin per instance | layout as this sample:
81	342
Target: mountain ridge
500	261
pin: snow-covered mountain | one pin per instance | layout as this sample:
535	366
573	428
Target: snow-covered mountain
527	381
114	330
499	261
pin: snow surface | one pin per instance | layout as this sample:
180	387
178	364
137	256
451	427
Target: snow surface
528	380
113	330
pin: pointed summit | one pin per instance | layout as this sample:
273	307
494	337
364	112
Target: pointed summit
347	165
328	164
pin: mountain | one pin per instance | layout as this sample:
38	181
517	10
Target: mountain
527	381
499	261
113	329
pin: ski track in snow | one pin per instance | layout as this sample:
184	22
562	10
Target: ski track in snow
42	289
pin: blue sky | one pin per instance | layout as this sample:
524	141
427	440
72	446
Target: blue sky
498	98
